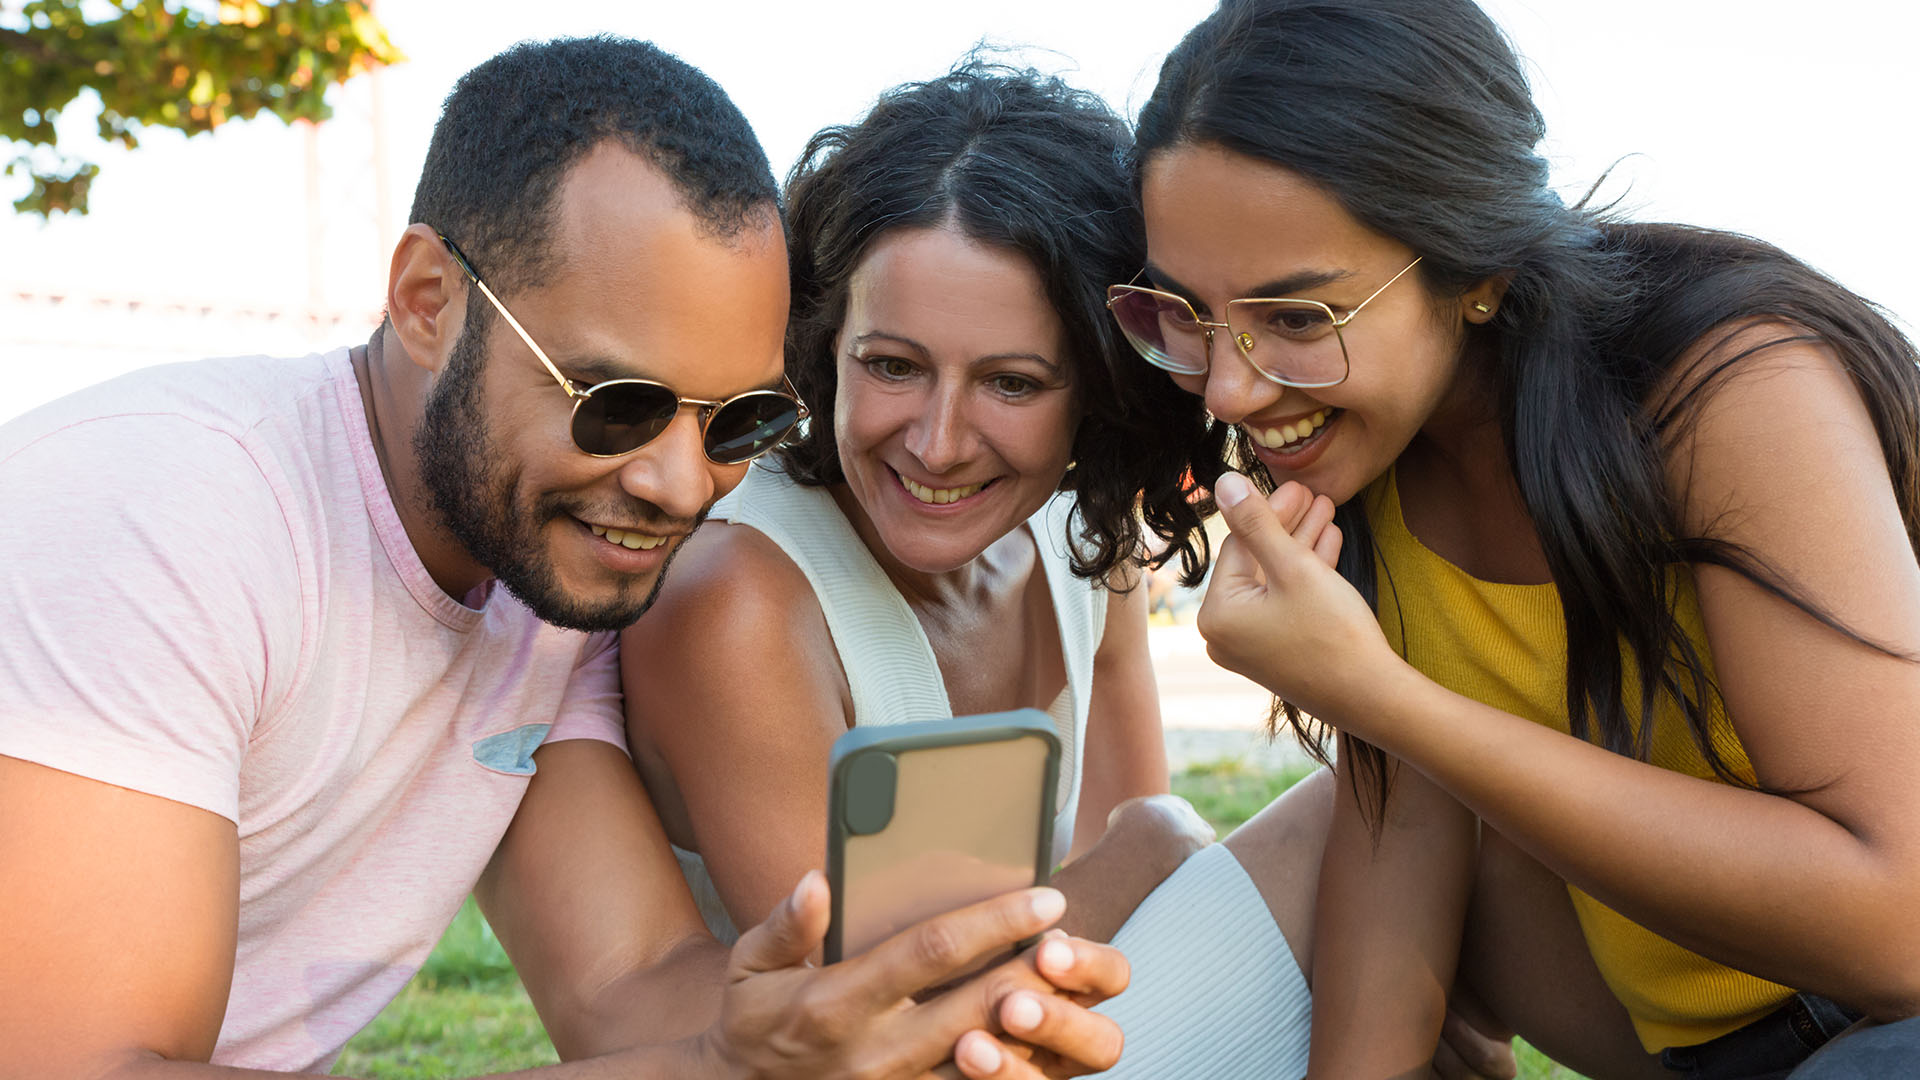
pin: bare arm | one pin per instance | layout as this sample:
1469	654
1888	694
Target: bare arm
117	925
589	903
117	934
117	930
1784	461
1122	850
735	688
1389	908
1386	934
1126	751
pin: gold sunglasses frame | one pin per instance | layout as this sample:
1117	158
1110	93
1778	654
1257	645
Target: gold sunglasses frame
573	388
1242	340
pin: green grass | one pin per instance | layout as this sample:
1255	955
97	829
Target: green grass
1535	1065
466	1014
1229	791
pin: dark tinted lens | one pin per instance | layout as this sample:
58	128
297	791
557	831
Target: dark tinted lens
624	416
750	425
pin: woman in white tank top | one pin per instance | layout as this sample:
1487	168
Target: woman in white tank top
957	531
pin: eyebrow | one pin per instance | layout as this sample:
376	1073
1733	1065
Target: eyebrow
876	335
591	369
1277	289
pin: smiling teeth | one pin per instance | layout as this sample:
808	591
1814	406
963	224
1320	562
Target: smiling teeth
633	540
938	496
1275	438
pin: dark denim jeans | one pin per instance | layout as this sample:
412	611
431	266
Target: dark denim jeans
1877	1050
1767	1049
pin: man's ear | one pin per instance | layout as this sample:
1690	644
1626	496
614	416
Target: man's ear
1479	302
426	297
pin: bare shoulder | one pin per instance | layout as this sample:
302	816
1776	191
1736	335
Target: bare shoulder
1762	406
727	579
736	618
1751	363
1773	453
732	684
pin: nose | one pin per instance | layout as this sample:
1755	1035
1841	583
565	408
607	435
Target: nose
941	436
1234	390
673	472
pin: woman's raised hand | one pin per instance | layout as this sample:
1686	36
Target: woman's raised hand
1277	612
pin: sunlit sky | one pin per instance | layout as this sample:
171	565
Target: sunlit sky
1792	122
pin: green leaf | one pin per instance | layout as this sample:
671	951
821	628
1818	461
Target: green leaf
165	64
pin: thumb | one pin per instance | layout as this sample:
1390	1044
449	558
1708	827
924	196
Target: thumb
1263	540
789	935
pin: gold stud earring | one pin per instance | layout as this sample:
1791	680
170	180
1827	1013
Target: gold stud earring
1480	307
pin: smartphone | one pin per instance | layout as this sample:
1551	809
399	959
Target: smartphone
931	816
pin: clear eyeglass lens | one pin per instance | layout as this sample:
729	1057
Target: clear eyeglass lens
1291	341
1163	330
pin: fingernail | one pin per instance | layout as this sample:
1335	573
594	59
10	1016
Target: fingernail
980	1054
1048	904
1056	956
800	891
1230	489
1022	1013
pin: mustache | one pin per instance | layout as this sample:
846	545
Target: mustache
635	515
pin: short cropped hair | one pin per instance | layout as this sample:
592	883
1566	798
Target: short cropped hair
514	126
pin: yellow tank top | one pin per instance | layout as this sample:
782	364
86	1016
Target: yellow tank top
1505	645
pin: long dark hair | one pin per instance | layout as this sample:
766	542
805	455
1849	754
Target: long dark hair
1021	161
1415	116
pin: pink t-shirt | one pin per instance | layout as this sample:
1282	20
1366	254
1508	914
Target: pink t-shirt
206	595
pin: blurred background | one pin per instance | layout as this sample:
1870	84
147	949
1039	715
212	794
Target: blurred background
1791	123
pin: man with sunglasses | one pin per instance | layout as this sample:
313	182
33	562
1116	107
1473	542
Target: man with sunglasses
297	653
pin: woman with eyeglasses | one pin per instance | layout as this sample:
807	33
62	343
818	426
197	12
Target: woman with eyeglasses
1623	644
960	527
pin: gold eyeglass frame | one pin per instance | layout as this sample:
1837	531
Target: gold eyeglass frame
1243	340
580	392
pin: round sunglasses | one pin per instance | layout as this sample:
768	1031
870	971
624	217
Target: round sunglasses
618	416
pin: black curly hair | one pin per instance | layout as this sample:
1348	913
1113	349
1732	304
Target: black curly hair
1022	161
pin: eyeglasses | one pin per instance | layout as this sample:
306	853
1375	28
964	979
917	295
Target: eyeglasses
1291	342
619	416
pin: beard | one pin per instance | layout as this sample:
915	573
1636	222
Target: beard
475	491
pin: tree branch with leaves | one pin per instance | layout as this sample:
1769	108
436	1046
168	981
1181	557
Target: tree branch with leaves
156	64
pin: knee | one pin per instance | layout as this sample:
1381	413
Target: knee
1162	830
